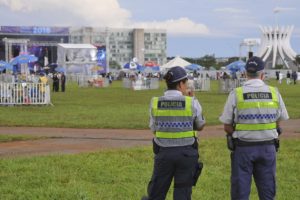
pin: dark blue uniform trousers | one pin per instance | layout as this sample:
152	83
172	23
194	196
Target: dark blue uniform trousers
169	162
259	161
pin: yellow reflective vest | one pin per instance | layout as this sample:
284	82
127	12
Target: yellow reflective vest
258	114
173	118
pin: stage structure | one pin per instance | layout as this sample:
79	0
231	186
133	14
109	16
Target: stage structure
250	43
9	42
275	47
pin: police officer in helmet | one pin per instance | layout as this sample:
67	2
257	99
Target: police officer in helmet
174	120
251	118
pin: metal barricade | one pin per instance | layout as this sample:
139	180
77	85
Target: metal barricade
73	77
127	83
89	81
24	94
141	84
202	84
227	85
154	83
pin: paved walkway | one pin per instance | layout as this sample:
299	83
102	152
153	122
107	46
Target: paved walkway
70	140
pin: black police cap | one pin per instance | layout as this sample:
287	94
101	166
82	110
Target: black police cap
175	74
254	64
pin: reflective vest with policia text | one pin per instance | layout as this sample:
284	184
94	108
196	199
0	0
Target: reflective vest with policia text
173	118
257	115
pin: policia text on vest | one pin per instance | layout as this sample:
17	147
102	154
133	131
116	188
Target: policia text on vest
171	104
257	95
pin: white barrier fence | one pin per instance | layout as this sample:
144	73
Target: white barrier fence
141	84
202	84
227	85
127	83
86	81
24	94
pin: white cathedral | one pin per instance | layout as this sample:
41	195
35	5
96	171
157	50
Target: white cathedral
275	47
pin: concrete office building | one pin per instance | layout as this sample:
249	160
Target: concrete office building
125	44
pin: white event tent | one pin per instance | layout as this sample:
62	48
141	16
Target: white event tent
76	55
177	61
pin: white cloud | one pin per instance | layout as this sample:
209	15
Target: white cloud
100	13
231	10
181	26
15	5
92	12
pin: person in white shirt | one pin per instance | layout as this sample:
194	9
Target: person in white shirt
251	119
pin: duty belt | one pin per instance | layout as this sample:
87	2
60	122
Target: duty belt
242	143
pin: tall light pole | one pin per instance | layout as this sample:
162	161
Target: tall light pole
276	11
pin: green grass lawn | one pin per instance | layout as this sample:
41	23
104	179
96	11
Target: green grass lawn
118	107
124	174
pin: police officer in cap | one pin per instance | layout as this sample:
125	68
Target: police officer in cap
174	120
252	116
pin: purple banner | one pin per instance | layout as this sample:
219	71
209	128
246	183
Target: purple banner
36	30
101	58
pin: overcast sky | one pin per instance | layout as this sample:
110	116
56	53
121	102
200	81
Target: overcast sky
194	27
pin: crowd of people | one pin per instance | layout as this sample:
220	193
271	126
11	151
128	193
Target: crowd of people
289	76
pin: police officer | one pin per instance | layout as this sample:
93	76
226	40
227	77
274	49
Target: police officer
174	120
251	116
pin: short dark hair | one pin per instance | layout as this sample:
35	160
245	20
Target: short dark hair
253	74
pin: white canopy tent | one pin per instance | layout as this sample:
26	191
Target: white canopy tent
177	61
76	55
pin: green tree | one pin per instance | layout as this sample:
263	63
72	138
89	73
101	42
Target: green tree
208	61
232	59
193	60
205	61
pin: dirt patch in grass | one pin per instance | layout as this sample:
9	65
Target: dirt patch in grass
70	140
